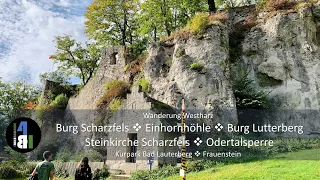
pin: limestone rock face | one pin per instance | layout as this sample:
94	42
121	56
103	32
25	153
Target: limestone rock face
316	10
82	108
285	48
110	68
169	70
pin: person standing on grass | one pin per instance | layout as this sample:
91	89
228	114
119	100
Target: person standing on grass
83	171
44	169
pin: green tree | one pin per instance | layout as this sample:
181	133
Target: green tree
133	23
19	157
55	76
112	22
156	17
162	17
150	20
222	4
14	97
191	7
246	94
74	59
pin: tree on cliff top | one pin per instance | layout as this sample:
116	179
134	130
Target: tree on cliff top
111	21
162	17
72	58
57	76
133	22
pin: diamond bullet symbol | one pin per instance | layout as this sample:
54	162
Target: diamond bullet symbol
197	153
137	127
219	127
198	141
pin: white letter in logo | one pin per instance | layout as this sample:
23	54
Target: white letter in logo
22	141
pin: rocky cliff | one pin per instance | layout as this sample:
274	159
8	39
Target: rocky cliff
279	52
169	69
282	56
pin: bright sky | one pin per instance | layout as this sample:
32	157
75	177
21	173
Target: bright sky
27	30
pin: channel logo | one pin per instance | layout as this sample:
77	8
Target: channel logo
23	135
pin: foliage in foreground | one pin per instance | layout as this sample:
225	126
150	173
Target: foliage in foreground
15	169
61	172
166	171
101	173
19	157
8	172
158	173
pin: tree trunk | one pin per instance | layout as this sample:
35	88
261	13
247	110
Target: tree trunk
212	6
231	3
83	77
131	43
155	34
90	75
124	37
164	13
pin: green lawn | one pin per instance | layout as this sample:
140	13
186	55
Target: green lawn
284	166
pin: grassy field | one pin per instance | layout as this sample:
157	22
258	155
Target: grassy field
302	165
